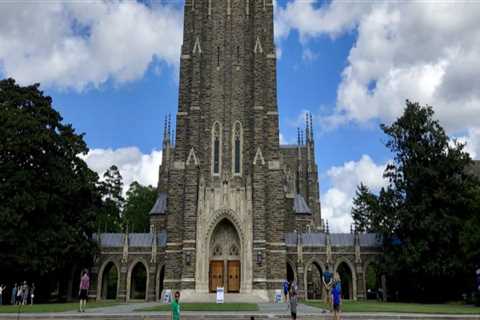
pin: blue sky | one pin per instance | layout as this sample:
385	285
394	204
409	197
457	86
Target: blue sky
112	70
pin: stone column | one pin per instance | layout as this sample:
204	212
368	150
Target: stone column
152	283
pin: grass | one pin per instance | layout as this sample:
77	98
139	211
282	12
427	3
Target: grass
374	306
54	307
206	307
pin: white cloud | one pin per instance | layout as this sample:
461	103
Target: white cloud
419	50
337	201
131	162
472	141
77	44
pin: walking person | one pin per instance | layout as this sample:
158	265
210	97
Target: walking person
32	293
176	306
2	289
327	280
285	289
24	295
293	300
19	295
336	297
14	295
83	291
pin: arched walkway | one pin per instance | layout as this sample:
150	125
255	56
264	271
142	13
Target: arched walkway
290	273
346	278
160	278
314	287
225	249
110	281
138	282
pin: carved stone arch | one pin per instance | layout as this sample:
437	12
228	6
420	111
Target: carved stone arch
309	264
129	276
351	266
216	133
217	217
293	266
100	276
237	132
158	292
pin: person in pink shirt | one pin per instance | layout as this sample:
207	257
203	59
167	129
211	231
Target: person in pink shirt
83	292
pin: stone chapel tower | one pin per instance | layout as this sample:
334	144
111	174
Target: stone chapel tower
229	191
235	209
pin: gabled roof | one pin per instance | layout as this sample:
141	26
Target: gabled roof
300	206
115	240
160	206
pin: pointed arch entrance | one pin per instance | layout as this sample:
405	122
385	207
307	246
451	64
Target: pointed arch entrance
224	260
313	281
138	282
110	281
346	278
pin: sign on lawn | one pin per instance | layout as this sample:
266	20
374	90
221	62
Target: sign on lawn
278	296
220	295
167	297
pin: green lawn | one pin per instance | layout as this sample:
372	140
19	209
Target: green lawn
54	307
206	307
373	306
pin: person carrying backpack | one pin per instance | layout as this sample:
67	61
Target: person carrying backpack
336	296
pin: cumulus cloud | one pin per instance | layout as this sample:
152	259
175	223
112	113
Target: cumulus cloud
75	44
419	50
131	162
338	199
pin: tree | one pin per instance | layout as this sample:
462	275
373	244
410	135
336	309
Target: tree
140	200
425	208
48	194
109	217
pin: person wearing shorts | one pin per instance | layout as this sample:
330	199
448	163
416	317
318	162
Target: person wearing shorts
83	292
336	297
293	304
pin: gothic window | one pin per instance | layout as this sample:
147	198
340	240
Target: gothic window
216	148
237	148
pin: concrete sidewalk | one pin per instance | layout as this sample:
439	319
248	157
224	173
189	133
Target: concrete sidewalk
266	311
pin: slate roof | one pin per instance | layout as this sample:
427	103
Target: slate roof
370	240
318	239
300	206
160	206
113	240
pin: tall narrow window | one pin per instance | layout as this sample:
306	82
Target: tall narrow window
216	149
237	148
218	56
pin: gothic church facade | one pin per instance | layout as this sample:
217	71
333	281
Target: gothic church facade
235	208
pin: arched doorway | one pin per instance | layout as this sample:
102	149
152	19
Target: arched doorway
224	251
138	282
161	276
372	281
345	273
314	281
290	273
109	281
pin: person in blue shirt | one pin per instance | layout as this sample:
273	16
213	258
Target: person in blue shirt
285	289
327	280
336	296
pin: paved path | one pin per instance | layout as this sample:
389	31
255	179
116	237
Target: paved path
266	311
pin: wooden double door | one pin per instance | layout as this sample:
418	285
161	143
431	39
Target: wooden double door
217	275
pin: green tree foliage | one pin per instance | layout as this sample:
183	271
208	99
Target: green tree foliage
48	195
109	217
140	200
428	213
